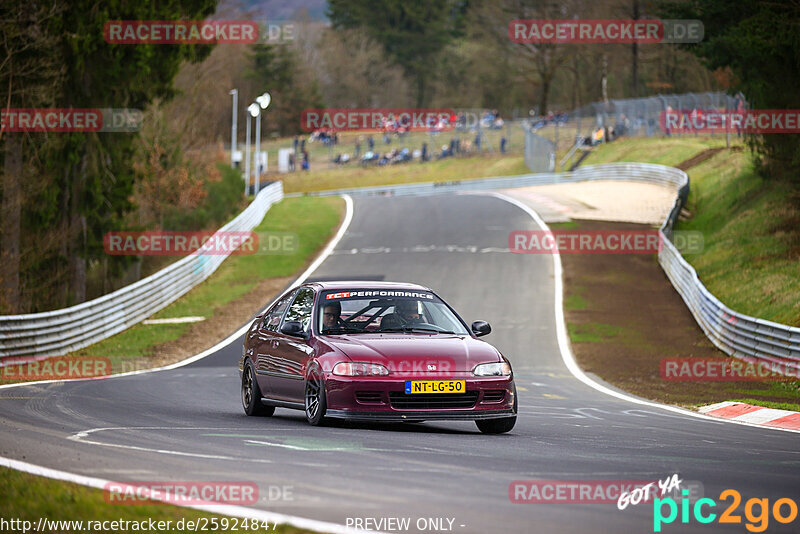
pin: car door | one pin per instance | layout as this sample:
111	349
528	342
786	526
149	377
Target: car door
263	341
290	354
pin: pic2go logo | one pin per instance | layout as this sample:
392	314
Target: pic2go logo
758	522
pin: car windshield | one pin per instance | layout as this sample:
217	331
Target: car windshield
368	311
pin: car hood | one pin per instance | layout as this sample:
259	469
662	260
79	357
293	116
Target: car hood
415	352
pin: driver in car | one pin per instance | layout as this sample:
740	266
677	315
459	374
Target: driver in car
331	316
406	313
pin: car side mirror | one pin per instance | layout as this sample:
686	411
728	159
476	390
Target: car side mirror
481	328
293	328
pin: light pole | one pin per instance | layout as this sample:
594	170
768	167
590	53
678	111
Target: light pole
251	113
263	102
235	93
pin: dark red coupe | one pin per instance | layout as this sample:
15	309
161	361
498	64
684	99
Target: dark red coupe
374	351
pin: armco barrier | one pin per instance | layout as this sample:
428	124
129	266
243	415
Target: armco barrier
734	333
68	329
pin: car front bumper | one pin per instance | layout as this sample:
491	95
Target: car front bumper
384	399
411	416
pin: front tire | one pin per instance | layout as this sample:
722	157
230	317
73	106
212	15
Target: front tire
500	425
496	426
316	403
251	394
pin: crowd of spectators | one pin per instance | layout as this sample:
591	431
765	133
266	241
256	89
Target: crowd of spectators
552	117
468	125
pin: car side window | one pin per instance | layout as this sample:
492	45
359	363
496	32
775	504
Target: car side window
301	308
272	319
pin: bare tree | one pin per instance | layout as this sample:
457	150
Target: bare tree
546	59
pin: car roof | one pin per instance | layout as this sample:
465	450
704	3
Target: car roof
361	284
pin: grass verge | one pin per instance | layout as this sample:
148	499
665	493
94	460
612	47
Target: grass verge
432	171
27	497
662	150
751	229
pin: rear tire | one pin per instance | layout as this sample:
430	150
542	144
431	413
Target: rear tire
500	425
251	394
316	403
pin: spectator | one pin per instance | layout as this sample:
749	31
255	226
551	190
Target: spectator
424	151
295	144
478	141
667	130
597	136
368	157
303	146
358	147
503	145
306	164
371	143
291	159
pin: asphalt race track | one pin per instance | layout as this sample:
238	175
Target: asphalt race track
188	424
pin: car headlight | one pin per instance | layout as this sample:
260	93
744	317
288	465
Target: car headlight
359	369
492	369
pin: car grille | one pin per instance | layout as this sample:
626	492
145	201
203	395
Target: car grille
494	395
369	397
434	401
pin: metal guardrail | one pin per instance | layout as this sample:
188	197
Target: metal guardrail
736	334
68	329
610	171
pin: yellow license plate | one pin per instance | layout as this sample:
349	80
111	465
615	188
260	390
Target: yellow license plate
436	386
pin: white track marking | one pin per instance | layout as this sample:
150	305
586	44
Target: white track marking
717	406
764	415
175	320
80	437
292	447
563	338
